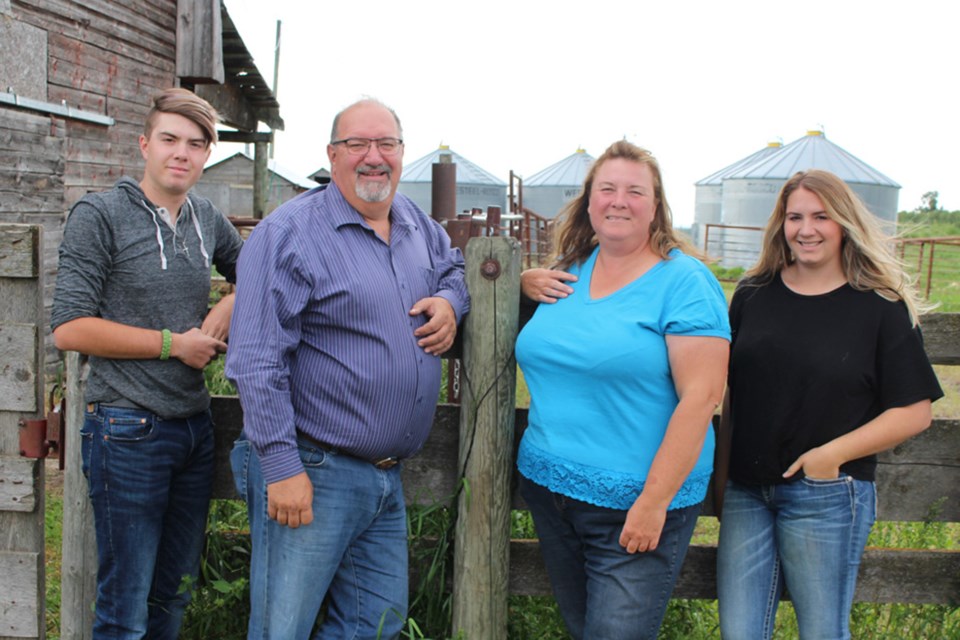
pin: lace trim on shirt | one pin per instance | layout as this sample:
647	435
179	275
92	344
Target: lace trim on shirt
597	486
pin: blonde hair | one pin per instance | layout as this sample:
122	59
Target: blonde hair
190	106
867	257
575	238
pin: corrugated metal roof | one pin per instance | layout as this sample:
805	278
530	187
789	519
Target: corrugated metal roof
467	173
813	151
240	71
272	166
757	156
569	172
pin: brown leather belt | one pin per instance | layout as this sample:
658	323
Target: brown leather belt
385	463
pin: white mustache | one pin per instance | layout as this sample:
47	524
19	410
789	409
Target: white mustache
364	168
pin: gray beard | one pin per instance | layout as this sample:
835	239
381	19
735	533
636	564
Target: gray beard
371	192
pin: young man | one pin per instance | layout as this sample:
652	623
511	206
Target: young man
132	293
346	297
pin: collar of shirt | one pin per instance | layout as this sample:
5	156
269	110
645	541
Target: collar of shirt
342	212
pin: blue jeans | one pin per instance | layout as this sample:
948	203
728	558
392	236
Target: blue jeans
149	480
354	552
807	535
603	592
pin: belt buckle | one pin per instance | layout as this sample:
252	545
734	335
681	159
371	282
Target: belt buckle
386	463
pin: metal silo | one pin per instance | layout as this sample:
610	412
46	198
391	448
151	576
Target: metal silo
708	203
546	191
476	188
750	193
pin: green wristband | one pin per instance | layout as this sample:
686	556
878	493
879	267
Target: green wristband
167	343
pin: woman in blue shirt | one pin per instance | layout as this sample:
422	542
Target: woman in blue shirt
625	370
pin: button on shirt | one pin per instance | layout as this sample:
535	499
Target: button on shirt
322	340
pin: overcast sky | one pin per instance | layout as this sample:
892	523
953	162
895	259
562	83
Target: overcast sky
522	84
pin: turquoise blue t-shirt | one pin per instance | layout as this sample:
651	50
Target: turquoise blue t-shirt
601	391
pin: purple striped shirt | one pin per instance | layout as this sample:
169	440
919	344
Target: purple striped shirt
321	340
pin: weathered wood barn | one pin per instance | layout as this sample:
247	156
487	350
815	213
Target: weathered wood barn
75	82
228	184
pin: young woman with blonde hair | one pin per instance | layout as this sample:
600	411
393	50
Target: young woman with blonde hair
827	369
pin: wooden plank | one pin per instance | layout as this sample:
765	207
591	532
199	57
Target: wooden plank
428	477
21	391
30	123
78	566
908	476
19	163
916	576
19	594
14	139
199	41
108	77
108	24
940	331
886	575
481	549
230	103
46	200
79	99
919	479
18	367
18	484
260	179
32	195
19	251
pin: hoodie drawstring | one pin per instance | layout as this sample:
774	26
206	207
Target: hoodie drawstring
196	227
156	223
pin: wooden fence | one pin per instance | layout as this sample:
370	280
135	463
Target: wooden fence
21	399
919	480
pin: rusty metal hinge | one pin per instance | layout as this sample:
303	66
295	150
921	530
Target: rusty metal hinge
40	436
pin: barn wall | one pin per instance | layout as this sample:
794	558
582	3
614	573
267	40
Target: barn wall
104	56
229	185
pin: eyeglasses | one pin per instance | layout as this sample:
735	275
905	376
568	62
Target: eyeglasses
361	146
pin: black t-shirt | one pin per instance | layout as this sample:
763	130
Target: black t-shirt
807	369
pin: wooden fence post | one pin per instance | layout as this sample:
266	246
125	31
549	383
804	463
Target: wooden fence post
22	584
78	571
481	549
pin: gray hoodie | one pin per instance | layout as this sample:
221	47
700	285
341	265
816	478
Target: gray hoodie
121	261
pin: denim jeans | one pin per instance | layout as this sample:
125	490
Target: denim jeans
354	552
603	592
149	480
807	535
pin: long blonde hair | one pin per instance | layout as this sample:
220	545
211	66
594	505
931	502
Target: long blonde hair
867	257
575	238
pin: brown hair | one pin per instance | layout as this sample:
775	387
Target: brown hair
867	257
190	106
576	239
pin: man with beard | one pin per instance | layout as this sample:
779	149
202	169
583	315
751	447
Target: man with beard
346	297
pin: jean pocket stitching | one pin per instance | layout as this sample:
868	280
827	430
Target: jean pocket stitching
128	429
826	482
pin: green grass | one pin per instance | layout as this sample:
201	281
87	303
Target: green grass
53	516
